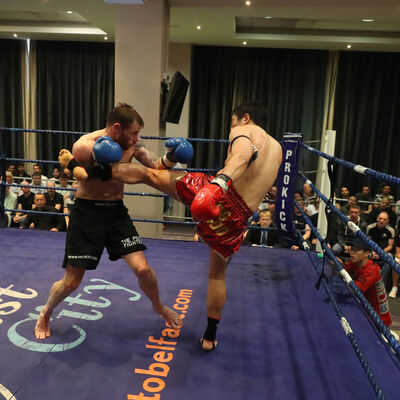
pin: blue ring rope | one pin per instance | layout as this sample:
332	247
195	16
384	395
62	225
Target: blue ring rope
355	167
57	132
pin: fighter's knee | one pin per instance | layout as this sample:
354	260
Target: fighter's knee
143	271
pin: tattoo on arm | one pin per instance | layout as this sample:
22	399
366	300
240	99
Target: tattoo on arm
144	156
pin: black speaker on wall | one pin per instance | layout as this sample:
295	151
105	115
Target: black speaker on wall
175	99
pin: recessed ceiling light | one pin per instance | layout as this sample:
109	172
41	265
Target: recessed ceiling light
267	17
248	3
15	35
244	43
105	37
198	27
349	46
69	12
368	20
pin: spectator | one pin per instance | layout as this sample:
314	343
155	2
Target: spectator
10	202
25	202
38	168
53	198
261	237
63	185
385	191
21	173
69	202
351	201
301	225
395	275
345	235
344	196
37	181
367	277
13	189
383	235
12	169
269	198
365	195
56	175
49	222
384	206
309	196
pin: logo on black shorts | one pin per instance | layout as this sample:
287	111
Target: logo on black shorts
131	241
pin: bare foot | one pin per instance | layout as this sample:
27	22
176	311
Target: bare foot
171	317
64	158
207	345
42	328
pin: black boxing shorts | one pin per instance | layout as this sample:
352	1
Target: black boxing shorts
95	225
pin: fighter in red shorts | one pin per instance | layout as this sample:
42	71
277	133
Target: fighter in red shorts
223	204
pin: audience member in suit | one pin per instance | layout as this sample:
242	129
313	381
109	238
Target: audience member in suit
262	237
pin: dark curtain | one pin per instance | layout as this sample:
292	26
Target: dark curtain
367	115
11	97
289	82
75	91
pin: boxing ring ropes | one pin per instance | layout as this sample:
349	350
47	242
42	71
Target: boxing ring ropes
292	145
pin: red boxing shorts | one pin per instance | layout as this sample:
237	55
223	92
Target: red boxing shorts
225	233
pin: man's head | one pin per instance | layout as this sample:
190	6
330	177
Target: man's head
249	112
124	125
9	177
50	187
382	220
366	190
359	252
37	168
25	190
385	203
345	192
63	180
37	179
352	200
272	192
40	201
21	168
12	168
265	219
386	190
56	172
354	212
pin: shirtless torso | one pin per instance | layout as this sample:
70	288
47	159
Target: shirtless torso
258	177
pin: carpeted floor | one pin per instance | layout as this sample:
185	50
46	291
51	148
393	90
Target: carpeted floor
279	337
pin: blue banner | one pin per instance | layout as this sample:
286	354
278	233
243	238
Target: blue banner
287	176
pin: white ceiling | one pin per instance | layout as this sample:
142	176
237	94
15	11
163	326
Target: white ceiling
312	24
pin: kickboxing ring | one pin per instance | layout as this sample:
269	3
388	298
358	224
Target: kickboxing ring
292	145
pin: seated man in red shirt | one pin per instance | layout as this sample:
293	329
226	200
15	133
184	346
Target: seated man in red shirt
367	276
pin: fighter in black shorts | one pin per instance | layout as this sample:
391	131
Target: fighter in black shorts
99	218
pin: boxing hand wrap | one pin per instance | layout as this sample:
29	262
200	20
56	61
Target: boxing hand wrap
73	164
106	151
179	150
204	205
102	172
223	181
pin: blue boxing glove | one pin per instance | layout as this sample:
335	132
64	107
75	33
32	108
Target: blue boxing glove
179	150
106	151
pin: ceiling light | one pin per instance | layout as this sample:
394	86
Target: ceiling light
244	43
248	3
69	12
349	46
15	35
105	37
368	20
198	27
267	17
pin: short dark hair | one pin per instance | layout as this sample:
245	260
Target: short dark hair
125	115
36	174
258	113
